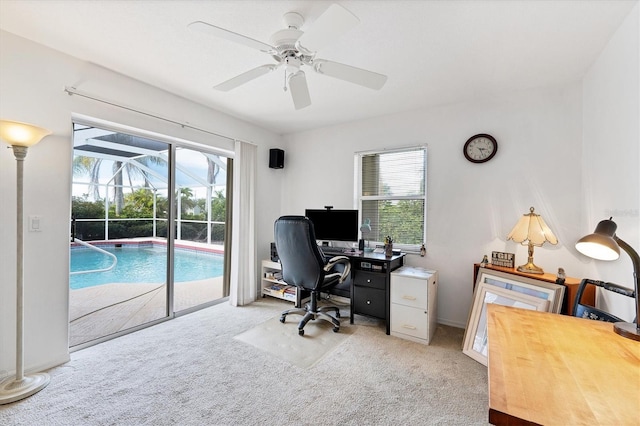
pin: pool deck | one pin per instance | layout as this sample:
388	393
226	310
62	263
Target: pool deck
102	310
99	311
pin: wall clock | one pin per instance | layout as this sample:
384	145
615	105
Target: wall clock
480	148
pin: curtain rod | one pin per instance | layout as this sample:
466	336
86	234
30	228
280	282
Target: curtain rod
73	91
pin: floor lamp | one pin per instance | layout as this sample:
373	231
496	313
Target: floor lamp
20	136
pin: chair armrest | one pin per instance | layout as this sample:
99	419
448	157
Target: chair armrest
339	260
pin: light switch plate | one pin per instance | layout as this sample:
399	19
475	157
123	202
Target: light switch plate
35	223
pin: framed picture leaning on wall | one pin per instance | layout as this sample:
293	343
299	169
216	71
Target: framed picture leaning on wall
554	293
475	337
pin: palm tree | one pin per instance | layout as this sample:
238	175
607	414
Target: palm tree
90	166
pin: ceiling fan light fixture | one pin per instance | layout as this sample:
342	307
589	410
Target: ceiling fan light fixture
299	90
293	64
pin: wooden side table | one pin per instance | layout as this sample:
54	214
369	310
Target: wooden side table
571	285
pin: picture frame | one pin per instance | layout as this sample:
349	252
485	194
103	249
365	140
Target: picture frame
538	288
475	343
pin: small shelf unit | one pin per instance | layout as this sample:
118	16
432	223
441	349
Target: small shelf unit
272	284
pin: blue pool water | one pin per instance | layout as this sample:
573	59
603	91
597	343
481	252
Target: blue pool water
141	265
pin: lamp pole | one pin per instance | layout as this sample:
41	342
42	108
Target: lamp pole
625	329
20	152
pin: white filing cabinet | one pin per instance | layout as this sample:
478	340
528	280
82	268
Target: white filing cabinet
413	303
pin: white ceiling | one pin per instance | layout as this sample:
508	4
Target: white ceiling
433	52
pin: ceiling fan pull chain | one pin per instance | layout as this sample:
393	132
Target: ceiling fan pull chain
284	88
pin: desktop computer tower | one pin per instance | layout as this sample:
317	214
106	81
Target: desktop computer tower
274	253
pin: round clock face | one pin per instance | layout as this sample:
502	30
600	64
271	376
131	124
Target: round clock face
480	148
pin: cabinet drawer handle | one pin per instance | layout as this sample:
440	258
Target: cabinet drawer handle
369	281
368	302
408	297
410	327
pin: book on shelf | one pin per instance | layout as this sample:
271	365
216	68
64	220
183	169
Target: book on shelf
275	288
290	293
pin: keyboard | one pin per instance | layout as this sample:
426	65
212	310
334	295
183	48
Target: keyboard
333	250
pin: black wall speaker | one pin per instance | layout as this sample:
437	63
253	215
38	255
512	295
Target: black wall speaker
274	253
276	158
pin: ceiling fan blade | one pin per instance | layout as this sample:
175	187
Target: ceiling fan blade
209	29
331	25
299	90
245	77
365	78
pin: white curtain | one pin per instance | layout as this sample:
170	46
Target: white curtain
243	288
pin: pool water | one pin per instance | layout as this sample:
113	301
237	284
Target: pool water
141	265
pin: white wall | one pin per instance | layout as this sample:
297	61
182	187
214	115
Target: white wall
611	181
571	152
31	90
471	207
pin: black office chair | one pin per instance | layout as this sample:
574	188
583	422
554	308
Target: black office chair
304	265
591	312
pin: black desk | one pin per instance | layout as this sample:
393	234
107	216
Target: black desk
370	283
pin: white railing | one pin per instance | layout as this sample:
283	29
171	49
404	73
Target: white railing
98	249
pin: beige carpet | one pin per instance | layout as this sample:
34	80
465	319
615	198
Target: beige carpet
283	341
192	371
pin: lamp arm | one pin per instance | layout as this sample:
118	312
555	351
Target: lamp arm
635	259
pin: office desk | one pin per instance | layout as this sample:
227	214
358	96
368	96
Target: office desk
551	369
370	284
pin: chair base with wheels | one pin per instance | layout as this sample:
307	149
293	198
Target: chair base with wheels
311	311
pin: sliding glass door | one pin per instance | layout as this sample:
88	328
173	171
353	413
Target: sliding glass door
129	268
201	193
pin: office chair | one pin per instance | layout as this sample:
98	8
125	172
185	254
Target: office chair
304	265
591	312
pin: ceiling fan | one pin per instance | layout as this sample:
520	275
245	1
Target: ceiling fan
295	49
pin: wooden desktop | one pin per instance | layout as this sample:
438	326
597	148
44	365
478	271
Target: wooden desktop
549	369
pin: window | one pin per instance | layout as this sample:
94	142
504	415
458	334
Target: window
391	193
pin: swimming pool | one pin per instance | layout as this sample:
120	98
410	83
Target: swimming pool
141	264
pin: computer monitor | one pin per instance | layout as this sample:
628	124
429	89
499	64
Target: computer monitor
334	225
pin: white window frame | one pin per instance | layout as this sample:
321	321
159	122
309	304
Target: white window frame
359	198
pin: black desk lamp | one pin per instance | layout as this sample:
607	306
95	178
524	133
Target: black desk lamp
604	244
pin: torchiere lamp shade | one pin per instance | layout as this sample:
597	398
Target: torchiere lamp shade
16	133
